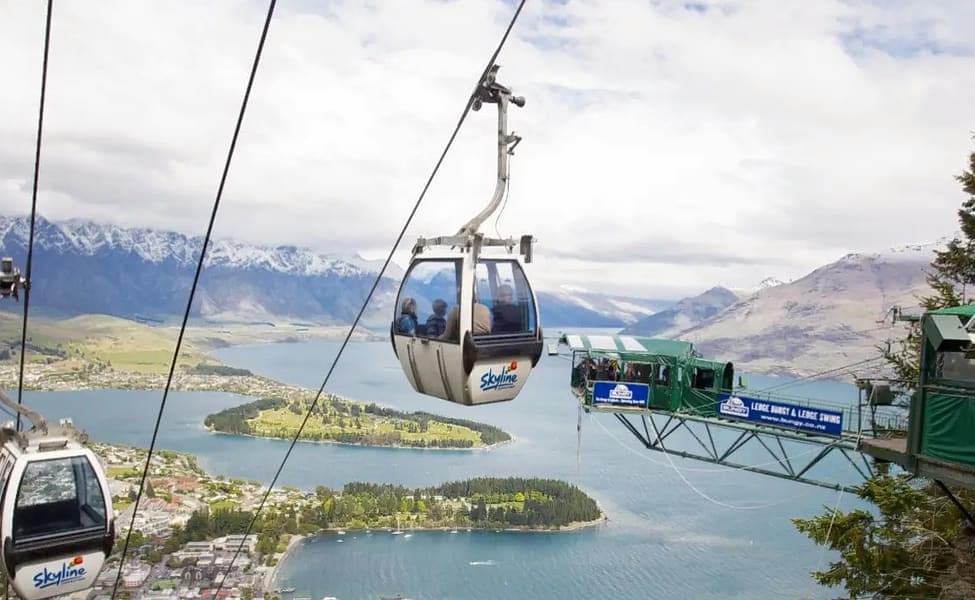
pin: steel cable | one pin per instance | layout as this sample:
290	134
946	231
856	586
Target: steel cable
372	290
33	209
196	280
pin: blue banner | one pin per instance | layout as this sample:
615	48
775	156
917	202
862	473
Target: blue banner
779	414
621	393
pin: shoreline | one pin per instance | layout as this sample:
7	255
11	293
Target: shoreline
360	445
575	526
273	573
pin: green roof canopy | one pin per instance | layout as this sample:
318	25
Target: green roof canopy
964	310
628	345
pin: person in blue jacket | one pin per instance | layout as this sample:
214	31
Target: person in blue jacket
406	321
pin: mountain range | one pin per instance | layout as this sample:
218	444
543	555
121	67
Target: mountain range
829	317
82	267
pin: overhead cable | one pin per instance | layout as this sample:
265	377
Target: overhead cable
33	208
196	280
372	290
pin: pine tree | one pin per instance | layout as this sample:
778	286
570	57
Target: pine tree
952	273
915	544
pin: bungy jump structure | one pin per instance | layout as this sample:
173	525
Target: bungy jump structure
656	388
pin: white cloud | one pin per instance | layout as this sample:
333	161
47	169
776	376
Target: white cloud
668	146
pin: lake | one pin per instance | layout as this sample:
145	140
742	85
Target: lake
663	539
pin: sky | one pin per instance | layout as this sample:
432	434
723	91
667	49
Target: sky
667	146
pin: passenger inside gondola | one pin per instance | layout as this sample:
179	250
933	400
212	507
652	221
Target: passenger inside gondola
406	322
437	322
506	314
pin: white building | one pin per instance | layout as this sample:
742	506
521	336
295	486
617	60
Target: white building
232	542
134	578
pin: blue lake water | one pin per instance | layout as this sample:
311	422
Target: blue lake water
663	539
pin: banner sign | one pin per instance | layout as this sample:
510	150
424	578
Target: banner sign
620	393
779	414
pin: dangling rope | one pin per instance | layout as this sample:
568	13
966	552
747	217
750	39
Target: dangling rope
372	290
33	209
189	301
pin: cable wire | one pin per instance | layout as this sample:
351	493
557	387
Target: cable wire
33	209
372	290
835	371
693	488
196	280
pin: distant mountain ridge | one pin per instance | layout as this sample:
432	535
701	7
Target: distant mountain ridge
84	267
832	316
684	315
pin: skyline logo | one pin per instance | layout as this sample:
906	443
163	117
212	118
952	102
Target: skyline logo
733	407
620	392
504	380
69	572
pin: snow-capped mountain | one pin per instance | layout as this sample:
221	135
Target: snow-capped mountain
570	305
830	317
769	282
155	247
683	315
83	267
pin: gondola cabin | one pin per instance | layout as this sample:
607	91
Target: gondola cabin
466	323
57	524
621	372
467	329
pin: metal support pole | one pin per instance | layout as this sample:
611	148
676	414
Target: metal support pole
954	500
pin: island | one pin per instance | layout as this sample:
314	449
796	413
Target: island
102	352
341	421
191	524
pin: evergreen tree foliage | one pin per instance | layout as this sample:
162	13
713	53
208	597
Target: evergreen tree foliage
915	544
952	274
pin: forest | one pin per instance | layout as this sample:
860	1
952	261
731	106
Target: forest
481	503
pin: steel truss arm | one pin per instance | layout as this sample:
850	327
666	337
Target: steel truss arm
787	461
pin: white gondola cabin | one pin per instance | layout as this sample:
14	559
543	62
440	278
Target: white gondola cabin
57	524
466	327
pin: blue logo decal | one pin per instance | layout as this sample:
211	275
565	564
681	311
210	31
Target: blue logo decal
779	414
504	380
69	573
620	394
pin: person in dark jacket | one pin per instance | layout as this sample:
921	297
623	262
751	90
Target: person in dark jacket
437	322
507	315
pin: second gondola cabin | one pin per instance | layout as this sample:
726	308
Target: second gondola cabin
57	524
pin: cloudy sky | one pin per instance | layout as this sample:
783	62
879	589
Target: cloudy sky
668	146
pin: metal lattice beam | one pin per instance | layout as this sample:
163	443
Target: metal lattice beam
787	461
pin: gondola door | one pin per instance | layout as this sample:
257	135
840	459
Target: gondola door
432	312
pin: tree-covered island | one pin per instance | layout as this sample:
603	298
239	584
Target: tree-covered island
342	421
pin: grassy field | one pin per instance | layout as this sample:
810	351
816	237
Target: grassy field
130	346
284	423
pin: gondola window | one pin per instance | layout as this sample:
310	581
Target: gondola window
428	299
503	303
58	496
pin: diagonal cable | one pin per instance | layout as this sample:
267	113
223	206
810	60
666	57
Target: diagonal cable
196	279
33	209
372	290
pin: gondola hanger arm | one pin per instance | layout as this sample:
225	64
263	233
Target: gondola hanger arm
39	422
491	92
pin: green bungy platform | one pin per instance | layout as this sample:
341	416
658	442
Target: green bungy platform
680	379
